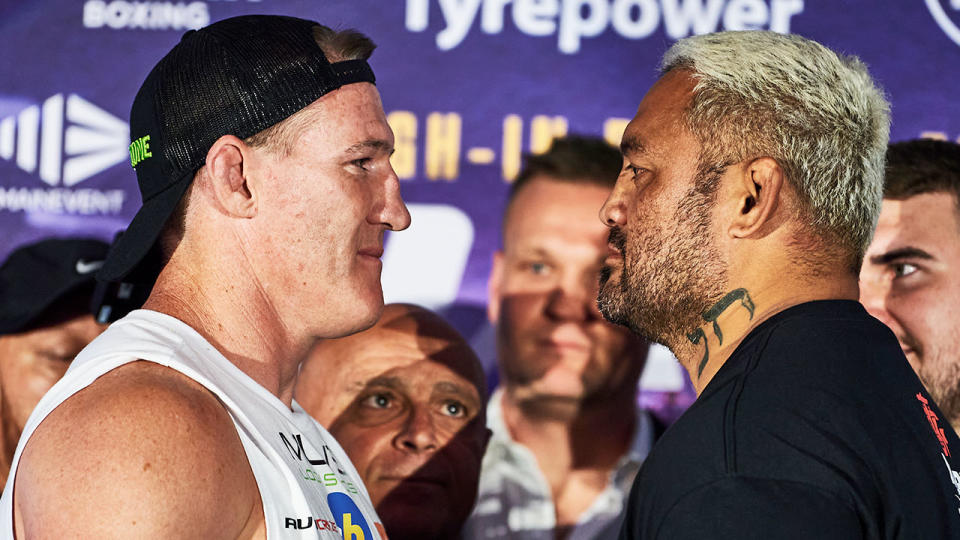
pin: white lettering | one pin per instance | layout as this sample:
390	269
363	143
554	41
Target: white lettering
93	14
118	13
643	25
536	17
574	20
745	15
491	17
458	15
781	12
690	17
418	15
121	14
197	15
140	16
574	26
62	201
159	16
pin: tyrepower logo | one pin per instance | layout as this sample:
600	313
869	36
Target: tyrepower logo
573	20
63	141
947	15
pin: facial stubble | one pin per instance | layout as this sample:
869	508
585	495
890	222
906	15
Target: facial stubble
670	275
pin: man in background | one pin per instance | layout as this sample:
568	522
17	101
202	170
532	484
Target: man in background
567	435
910	279
46	290
406	401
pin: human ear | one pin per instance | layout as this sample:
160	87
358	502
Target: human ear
759	188
225	174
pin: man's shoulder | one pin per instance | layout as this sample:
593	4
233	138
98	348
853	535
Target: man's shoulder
819	334
142	443
824	358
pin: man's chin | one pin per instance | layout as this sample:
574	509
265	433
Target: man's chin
611	304
552	405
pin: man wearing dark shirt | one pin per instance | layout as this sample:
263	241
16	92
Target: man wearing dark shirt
751	184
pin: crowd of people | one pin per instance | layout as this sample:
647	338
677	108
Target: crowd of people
752	220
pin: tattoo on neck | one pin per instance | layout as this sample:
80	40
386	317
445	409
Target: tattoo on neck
711	316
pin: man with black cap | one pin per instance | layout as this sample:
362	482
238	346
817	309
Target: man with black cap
262	154
45	319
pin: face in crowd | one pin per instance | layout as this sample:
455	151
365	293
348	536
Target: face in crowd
556	352
405	399
910	280
32	361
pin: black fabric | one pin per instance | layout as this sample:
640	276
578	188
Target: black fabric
814	428
35	277
238	76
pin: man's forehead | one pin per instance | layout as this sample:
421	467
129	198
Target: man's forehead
423	375
404	338
662	110
925	221
351	115
547	208
913	213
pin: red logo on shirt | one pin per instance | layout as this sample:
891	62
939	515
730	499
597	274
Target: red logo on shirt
935	424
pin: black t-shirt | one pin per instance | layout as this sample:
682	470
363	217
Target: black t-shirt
815	428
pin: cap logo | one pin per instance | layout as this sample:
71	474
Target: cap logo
85	267
140	150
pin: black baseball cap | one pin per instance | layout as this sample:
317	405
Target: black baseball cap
238	76
37	276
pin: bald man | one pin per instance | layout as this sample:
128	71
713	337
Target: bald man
405	399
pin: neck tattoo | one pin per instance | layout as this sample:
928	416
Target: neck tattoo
711	316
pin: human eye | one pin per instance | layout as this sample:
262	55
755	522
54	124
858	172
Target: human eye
455	409
903	270
362	163
634	171
538	268
379	400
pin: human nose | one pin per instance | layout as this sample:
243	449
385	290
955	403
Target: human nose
874	297
394	215
573	299
613	212
419	433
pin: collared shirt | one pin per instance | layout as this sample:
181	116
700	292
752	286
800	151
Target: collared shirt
514	498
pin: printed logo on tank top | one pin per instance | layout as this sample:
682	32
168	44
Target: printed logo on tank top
349	522
934	421
323	470
349	518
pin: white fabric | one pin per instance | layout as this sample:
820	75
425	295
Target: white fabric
515	500
307	484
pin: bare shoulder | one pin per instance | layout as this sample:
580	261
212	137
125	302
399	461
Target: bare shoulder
143	451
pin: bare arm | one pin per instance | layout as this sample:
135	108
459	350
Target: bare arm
142	452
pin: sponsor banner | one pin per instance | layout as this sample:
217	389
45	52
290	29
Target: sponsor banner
469	86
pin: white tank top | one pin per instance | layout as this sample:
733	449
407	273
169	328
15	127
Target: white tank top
308	486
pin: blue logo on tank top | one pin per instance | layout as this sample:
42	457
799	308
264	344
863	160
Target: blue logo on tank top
349	518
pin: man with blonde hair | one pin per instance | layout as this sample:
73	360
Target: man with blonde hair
750	187
262	155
